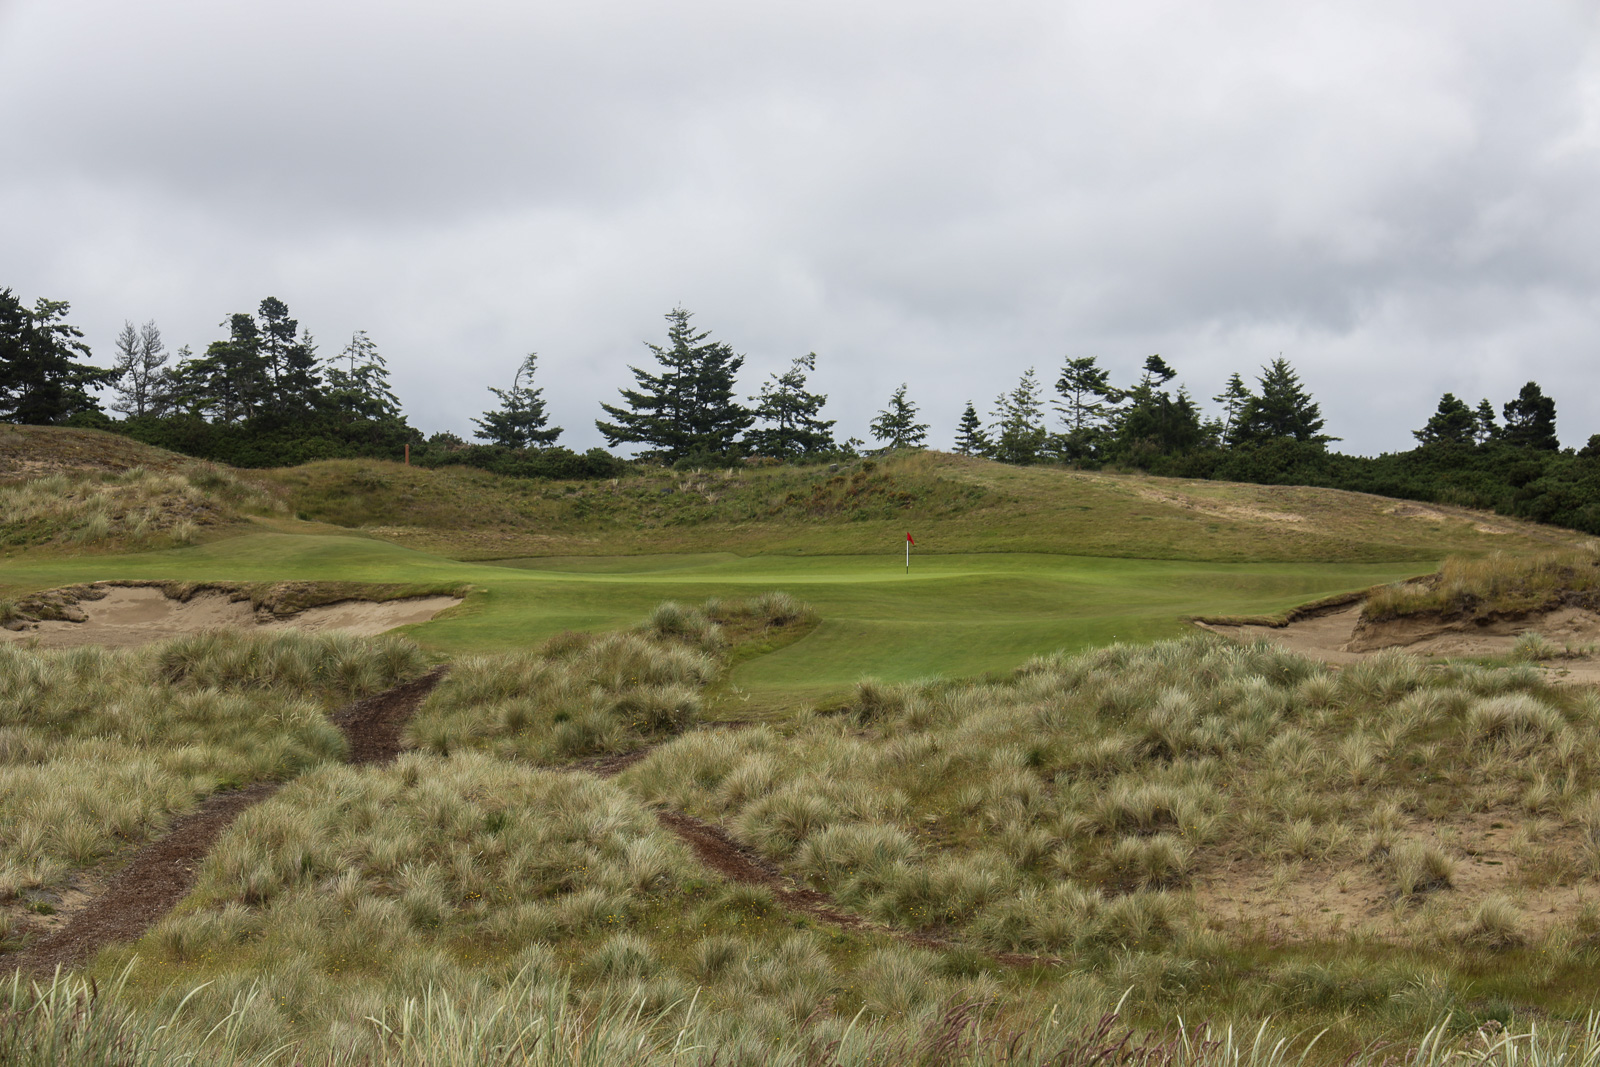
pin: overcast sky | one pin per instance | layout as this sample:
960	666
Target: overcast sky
1401	198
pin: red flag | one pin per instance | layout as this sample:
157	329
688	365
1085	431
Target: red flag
909	541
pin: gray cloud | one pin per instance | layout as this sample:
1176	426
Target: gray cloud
1398	197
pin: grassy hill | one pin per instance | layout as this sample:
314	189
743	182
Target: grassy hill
949	503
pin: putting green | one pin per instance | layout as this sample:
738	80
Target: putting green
952	615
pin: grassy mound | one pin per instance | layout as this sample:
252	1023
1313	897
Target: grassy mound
133	508
1055	812
587	695
37	451
1495	586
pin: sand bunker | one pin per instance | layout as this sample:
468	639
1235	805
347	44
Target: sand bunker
134	615
1338	636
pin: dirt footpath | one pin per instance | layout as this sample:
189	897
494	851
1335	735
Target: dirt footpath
163	871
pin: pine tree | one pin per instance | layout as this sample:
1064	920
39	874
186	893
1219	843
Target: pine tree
1281	410
301	388
140	356
1531	420
231	382
1487	429
358	381
1157	372
1087	395
1020	432
1452	424
1232	398
688	409
40	380
288	361
791	412
970	438
520	421
275	335
897	426
1152	421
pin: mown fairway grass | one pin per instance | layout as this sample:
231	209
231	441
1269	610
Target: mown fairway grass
952	615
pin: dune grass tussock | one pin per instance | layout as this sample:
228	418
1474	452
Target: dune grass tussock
1066	809
1497	584
131	508
579	695
584	694
99	748
339	900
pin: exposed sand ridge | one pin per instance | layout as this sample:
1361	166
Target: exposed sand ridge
1336	633
128	614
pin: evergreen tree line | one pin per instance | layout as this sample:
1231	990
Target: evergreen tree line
261	396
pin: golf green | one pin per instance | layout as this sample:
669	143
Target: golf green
951	615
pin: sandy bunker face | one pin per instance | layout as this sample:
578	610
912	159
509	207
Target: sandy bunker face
137	616
1338	637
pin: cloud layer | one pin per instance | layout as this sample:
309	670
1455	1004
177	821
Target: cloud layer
1399	198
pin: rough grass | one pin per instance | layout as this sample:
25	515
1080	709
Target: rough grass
352	891
1063	811
533	1020
35	451
1501	584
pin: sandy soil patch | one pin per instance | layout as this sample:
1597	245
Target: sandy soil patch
1217	509
1338	636
135	615
1324	636
1310	901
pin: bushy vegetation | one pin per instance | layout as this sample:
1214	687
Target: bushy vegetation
551	464
100	748
1495	585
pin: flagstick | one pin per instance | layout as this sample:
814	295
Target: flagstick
908	555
